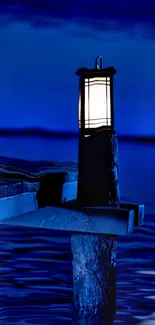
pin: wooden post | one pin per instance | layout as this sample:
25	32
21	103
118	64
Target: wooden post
94	256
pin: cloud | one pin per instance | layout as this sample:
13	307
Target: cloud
98	15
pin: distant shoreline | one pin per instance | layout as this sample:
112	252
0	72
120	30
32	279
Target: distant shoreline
39	132
66	134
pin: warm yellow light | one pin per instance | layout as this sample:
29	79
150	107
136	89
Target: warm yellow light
97	102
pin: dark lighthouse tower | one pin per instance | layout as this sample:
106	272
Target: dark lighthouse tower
94	252
98	148
98	185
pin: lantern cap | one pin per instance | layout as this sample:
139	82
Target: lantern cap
98	71
106	72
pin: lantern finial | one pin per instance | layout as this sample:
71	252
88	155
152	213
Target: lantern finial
98	62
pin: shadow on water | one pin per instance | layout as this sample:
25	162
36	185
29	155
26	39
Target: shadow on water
36	265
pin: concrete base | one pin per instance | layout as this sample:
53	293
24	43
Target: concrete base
94	280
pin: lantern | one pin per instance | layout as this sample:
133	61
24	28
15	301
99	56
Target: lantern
96	109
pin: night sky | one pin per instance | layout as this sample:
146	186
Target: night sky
43	43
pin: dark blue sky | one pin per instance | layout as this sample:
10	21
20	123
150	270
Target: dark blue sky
42	44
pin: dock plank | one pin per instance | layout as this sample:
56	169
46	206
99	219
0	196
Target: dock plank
86	220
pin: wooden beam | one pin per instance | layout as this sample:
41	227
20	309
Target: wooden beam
139	209
85	220
139	212
70	194
13	206
13	187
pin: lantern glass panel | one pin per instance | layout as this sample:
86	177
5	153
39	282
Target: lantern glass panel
97	102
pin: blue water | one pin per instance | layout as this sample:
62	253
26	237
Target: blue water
36	264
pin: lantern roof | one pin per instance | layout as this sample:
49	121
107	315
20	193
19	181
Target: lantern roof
106	72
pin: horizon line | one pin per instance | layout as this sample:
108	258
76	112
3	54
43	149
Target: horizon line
66	134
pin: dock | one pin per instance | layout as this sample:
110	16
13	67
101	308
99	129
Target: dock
28	186
44	195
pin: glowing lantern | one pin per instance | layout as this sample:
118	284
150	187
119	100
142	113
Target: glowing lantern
96	109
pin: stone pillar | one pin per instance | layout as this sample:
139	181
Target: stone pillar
94	256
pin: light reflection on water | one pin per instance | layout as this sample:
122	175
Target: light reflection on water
146	272
149	320
36	265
